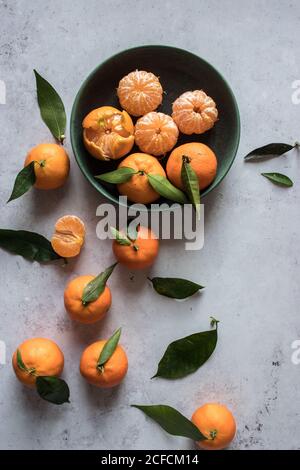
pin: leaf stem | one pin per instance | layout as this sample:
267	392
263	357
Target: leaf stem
214	322
186	159
100	368
213	434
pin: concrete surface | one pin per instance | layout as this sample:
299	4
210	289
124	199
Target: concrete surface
250	262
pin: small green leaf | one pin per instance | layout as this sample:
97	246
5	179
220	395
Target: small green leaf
172	421
94	289
279	178
121	175
120	237
53	389
23	182
51	107
109	349
268	151
186	355
20	362
162	186
30	245
191	184
175	288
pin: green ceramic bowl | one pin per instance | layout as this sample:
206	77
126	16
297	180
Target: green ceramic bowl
179	71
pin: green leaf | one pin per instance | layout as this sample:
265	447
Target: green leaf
20	362
51	107
108	349
162	186
30	245
120	237
191	184
186	355
53	389
175	288
23	182
268	151
121	175
172	421
94	289
279	178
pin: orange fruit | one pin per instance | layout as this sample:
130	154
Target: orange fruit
52	165
93	311
156	133
113	371
138	188
217	423
68	237
202	160
108	133
141	253
194	112
41	356
140	92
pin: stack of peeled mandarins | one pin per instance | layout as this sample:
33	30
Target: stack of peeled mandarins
109	134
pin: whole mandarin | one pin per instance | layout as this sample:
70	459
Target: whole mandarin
109	375
202	159
217	423
41	356
93	311
138	188
142	252
52	165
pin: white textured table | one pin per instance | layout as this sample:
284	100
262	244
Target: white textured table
250	262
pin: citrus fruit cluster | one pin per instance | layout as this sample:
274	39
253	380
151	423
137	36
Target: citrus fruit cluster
109	134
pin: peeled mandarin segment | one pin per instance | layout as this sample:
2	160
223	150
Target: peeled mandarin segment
108	133
194	112
68	237
140	92
156	133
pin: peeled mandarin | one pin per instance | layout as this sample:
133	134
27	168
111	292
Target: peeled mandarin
68	237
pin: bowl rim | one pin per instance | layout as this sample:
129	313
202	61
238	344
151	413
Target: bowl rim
91	180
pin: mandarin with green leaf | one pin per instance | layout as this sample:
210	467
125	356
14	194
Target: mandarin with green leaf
106	375
137	188
138	253
202	160
80	311
217	424
51	165
37	357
